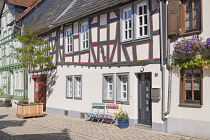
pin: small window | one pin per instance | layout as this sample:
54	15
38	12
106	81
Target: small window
84	35
191	86
69	87
127	24
19	80
192	12
108	88
122	88
78	87
46	46
69	40
142	25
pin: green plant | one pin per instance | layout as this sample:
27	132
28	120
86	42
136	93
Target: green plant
1	101
24	101
33	53
121	114
7	100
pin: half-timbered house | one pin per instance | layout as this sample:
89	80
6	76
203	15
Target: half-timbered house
117	51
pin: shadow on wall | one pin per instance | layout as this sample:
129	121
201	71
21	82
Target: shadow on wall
51	81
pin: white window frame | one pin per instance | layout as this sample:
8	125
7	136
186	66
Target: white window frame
123	30
78	87
46	38
137	21
106	88
120	91
68	40
69	86
19	80
82	33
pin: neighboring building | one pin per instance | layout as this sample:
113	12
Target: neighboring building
114	51
13	78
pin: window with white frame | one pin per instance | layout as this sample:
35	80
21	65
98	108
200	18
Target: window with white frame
122	88
78	86
142	20
108	88
69	86
127	24
19	80
135	21
68	40
46	46
84	35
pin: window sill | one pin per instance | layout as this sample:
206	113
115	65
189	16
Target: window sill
68	54
192	32
77	98
190	105
122	102
84	50
69	97
108	101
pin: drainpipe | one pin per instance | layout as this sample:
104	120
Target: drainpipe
169	78
162	61
163	112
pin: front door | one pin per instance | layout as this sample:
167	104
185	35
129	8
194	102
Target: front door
144	99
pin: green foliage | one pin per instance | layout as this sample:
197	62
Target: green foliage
1	101
201	61
32	54
24	101
121	114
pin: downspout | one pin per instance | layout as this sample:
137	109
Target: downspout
162	61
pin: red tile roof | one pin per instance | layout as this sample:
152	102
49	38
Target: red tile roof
25	3
29	9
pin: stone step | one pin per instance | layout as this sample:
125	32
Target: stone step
142	126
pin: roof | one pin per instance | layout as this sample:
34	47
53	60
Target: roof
24	3
53	13
29	9
1	5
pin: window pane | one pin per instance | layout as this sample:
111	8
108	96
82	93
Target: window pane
197	23
197	13
124	95
188	95
126	36
145	19
140	10
140	31
189	4
129	33
197	85
189	25
188	74
126	25
188	85
188	14
124	87
197	95
129	23
140	21
145	9
197	3
145	30
196	74
86	44
127	14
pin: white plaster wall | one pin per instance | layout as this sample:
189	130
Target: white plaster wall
103	19
92	88
190	113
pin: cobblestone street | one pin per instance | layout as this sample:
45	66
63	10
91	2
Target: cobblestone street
58	127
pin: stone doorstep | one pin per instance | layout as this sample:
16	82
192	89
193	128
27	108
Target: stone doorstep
142	126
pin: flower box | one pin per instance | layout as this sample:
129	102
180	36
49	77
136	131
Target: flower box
30	110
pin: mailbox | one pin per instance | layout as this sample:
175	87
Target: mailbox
155	93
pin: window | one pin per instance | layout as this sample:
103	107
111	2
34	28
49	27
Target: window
108	88
192	12
122	88
135	21
68	40
184	16
46	46
78	87
69	86
19	80
191	86
127	23
142	20
84	36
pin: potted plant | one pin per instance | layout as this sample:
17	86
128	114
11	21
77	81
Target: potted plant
1	103
122	118
7	102
26	109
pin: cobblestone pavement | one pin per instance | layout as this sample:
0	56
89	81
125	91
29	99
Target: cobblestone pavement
59	127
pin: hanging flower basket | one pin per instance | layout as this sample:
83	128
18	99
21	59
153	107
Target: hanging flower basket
192	52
